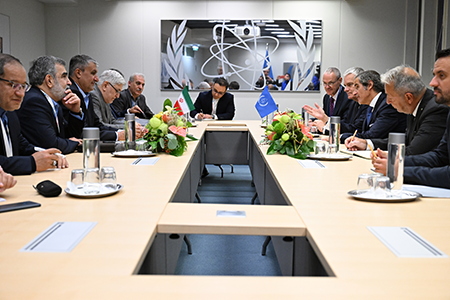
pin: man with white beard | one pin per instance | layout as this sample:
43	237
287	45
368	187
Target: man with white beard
41	117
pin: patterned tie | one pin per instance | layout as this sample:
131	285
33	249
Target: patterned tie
6	138
369	115
331	105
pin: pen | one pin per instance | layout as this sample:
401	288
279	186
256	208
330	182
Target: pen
373	152
354	135
39	149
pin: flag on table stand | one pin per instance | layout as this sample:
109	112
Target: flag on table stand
267	62
184	103
265	104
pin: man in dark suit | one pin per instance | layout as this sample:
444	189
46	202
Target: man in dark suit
215	104
425	118
131	100
356	113
83	75
17	155
381	117
40	115
431	168
335	101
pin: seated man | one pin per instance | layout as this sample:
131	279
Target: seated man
381	117
265	78
105	92
131	100
17	155
431	168
40	115
7	181
215	104
425	120
354	116
335	101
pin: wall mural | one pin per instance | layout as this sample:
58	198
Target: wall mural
281	54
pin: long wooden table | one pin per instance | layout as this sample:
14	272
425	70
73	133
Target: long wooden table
103	264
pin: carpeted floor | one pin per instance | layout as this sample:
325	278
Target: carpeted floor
227	254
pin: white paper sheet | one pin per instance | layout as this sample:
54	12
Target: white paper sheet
311	164
404	242
428	191
145	161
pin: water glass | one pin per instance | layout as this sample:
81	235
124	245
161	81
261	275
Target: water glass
77	178
141	145
332	149
108	177
366	182
119	146
91	181
314	130
382	187
319	149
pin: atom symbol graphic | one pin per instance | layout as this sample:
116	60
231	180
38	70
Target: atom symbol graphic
220	47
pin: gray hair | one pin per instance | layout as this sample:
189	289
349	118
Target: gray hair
404	81
373	76
112	77
335	71
42	66
80	62
134	75
7	59
354	70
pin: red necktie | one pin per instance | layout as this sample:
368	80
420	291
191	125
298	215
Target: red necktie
331	105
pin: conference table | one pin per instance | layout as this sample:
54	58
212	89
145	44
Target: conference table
314	207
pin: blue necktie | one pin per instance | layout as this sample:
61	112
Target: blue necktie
5	120
369	114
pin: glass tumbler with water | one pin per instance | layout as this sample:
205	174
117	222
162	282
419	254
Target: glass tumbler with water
130	132
396	160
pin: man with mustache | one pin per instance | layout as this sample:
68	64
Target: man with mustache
131	100
431	168
41	115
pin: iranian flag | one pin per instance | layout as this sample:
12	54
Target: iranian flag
184	103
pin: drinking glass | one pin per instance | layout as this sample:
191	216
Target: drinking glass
91	181
77	178
108	177
141	145
319	148
119	146
332	149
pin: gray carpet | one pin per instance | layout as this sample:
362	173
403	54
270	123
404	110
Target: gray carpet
227	254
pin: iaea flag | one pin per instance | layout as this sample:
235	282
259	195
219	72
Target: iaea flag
265	104
268	64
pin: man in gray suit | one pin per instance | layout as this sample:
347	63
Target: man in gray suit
407	93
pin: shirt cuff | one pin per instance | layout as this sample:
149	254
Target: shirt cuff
369	142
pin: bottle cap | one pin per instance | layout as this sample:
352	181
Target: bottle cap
396	138
335	119
91	133
129	117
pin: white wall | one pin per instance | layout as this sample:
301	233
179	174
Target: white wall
126	35
27	28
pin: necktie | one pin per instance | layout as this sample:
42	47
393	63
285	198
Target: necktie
369	115
55	111
6	138
331	105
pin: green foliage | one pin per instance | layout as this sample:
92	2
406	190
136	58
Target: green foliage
166	103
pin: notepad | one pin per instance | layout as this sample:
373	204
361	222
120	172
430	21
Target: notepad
427	191
60	237
405	242
231	213
311	164
145	161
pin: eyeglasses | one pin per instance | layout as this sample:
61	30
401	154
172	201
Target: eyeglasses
17	86
218	93
329	83
117	91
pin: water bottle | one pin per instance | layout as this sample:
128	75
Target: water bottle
396	160
305	117
91	160
130	132
335	130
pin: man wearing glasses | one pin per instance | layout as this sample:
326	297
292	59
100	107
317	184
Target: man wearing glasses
41	116
17	155
215	104
335	102
105	92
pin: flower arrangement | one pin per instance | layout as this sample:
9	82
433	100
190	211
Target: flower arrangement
167	131
289	135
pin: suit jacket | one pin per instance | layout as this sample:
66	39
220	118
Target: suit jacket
39	125
340	106
90	118
225	107
103	110
424	131
385	119
21	163
431	168
124	102
353	119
